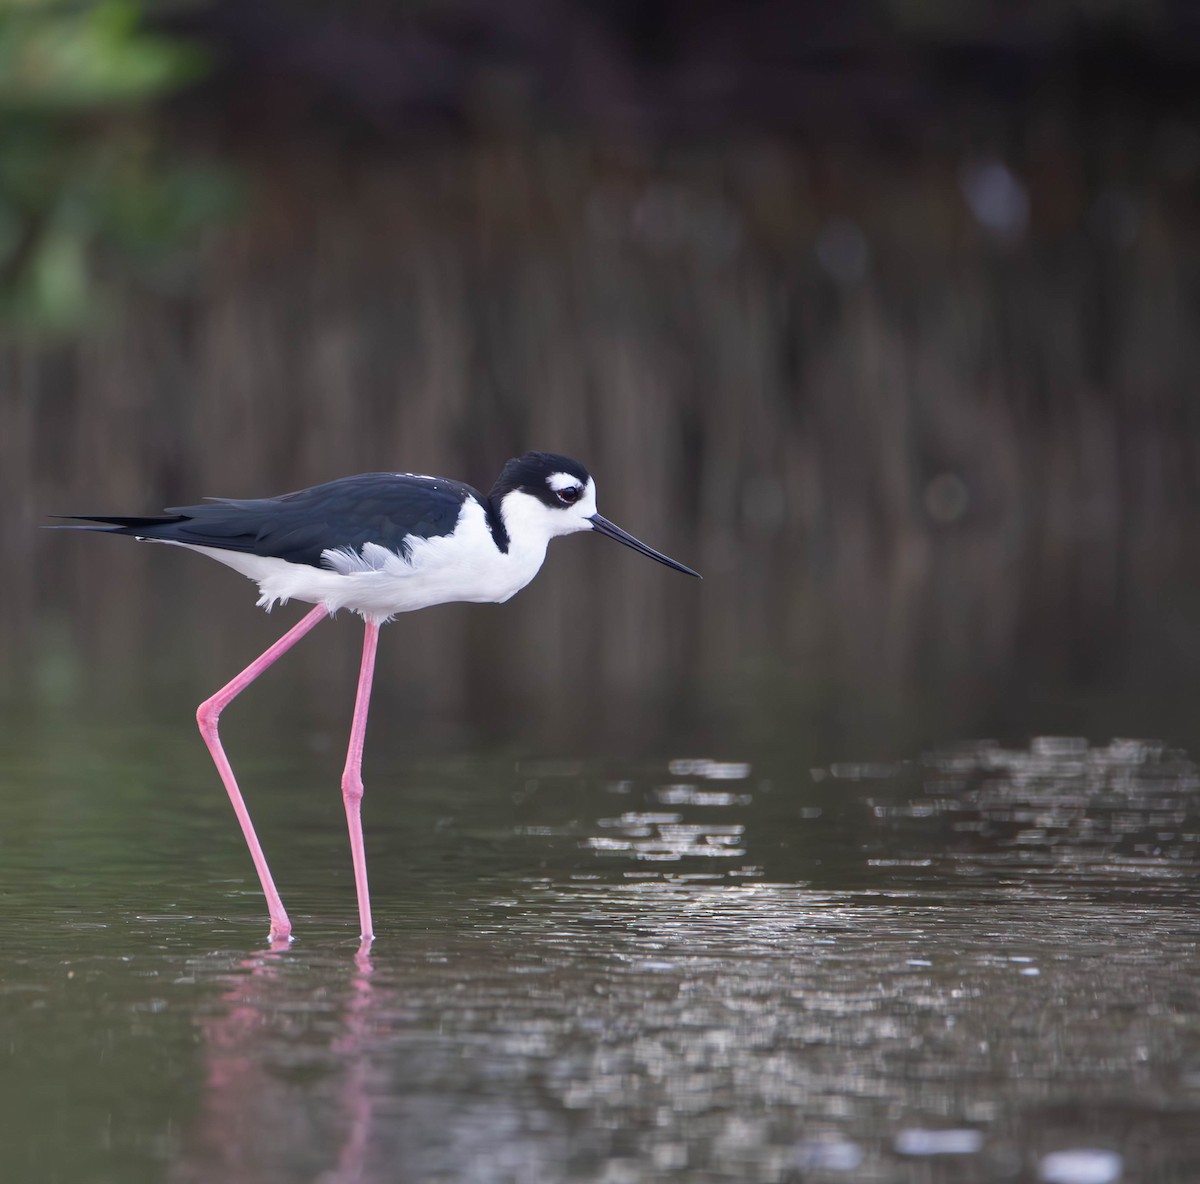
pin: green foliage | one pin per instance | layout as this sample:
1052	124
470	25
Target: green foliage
88	187
71	57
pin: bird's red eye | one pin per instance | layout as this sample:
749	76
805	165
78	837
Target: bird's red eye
570	495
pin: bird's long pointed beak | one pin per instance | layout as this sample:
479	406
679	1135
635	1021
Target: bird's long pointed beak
615	532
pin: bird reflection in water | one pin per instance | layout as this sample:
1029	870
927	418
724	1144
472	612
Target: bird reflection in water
274	1041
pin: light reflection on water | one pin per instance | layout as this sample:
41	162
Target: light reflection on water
980	964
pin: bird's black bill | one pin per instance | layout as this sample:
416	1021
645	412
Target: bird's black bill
615	532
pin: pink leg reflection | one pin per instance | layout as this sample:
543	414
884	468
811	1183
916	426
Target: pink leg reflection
255	1121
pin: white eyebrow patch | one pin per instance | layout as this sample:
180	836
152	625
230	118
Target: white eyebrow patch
560	481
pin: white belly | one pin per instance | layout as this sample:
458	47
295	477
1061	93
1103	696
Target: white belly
379	583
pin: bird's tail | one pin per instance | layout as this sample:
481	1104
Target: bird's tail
145	528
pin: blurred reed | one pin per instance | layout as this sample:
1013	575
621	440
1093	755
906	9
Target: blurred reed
913	436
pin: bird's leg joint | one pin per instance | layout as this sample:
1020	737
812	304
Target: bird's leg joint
352	786
208	714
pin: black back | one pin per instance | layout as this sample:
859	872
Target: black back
382	508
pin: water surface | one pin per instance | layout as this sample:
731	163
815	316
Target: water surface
976	963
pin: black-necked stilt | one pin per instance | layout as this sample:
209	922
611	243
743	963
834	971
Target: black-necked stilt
377	544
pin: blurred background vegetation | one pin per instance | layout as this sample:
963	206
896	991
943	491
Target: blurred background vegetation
883	314
90	186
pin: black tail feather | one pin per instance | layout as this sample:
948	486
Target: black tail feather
117	525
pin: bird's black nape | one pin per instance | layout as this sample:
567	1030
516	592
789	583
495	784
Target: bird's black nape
529	474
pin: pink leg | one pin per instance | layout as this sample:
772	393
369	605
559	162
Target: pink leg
207	715
352	784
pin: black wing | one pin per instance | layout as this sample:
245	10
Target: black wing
382	508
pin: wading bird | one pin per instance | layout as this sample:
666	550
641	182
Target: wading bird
377	544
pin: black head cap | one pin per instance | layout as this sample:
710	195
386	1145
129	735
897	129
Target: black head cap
530	474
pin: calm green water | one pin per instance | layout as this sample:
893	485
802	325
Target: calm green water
979	963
